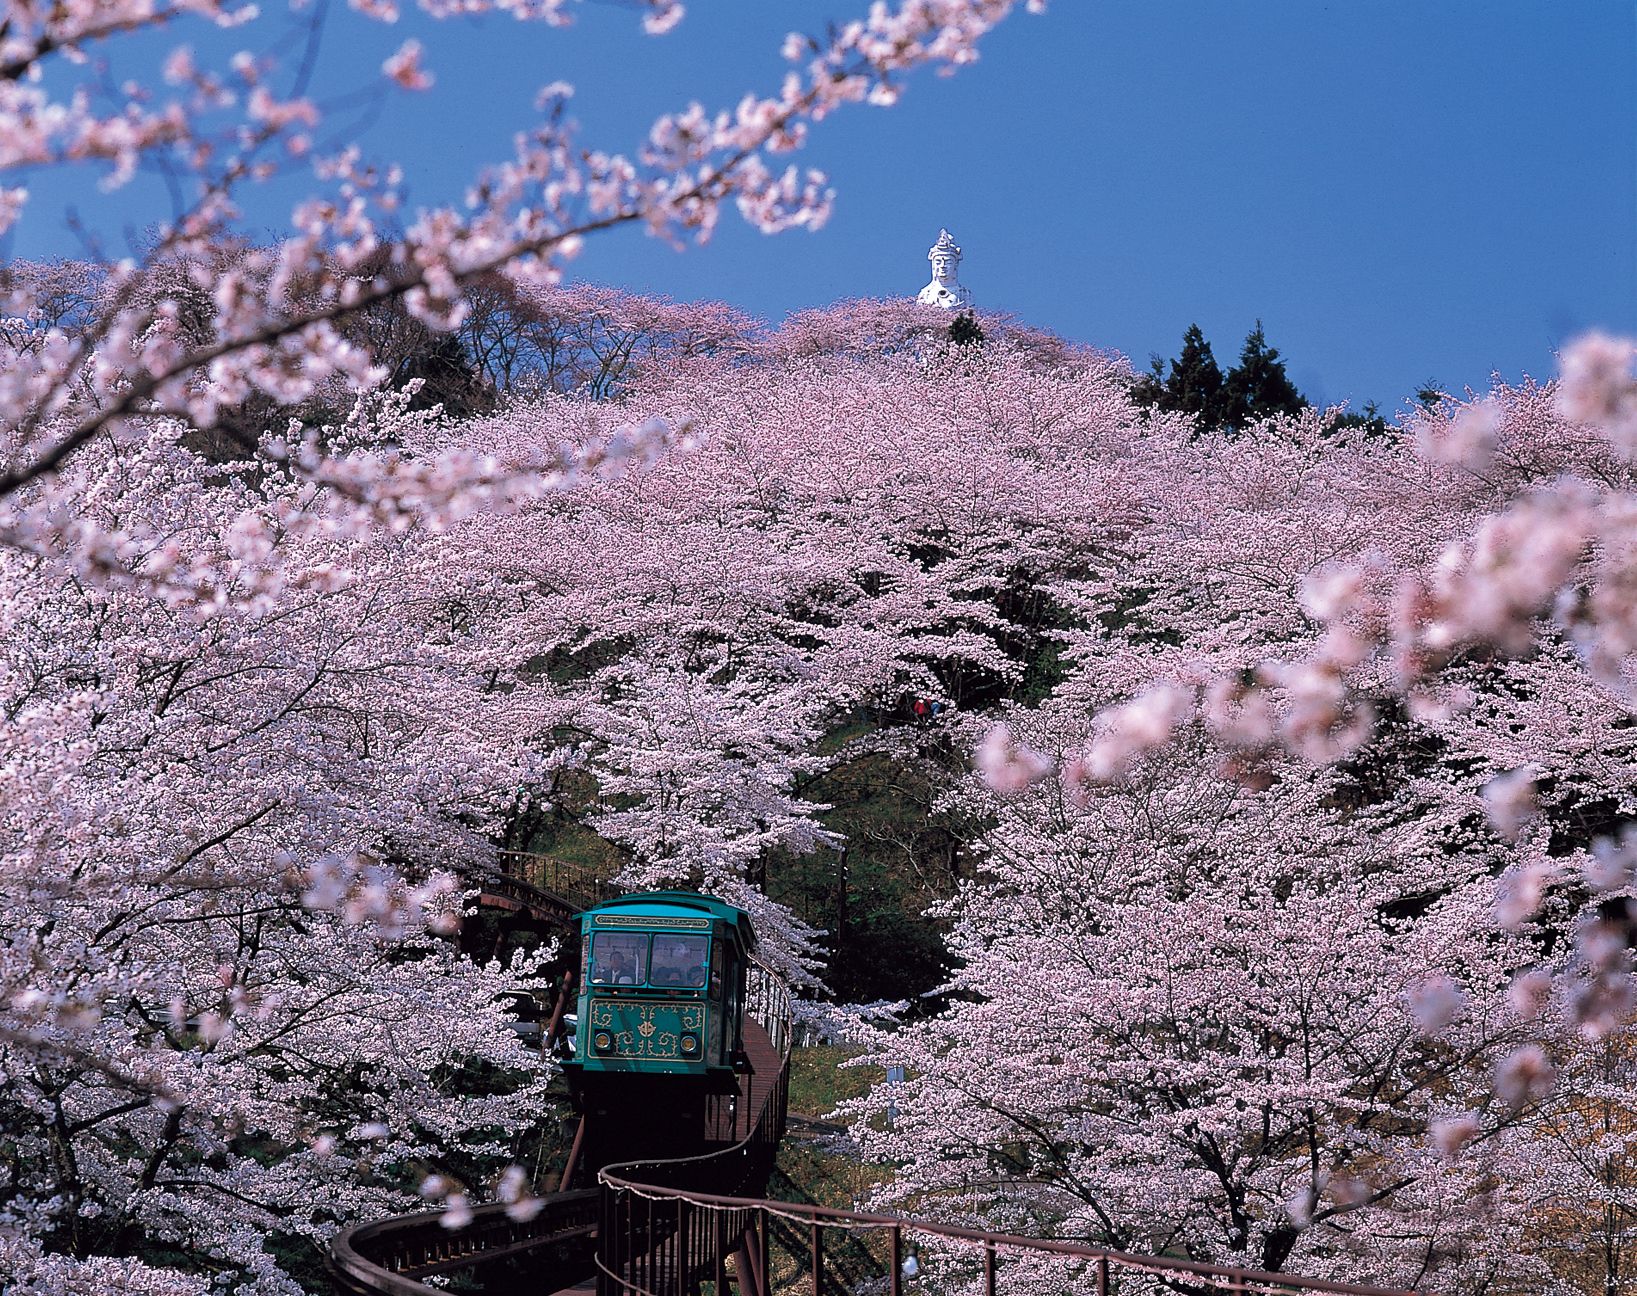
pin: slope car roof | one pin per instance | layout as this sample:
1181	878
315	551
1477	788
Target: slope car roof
661	904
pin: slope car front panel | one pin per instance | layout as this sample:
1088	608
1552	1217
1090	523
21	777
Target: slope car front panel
662	980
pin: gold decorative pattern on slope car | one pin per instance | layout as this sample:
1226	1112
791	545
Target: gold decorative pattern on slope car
648	1029
626	920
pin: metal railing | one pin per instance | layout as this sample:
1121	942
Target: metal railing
390	1257
664	1227
648	1252
579	883
549	888
767	1003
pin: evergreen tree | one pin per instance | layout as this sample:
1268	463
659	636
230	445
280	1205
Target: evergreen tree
1258	387
1370	420
1194	385
964	329
1429	395
448	378
1146	391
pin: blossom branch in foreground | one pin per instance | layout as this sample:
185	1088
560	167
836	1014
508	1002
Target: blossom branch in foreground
272	327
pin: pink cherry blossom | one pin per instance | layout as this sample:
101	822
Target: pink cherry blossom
1524	1076
1435	1003
1509	799
1008	765
1453	1133
1598	384
404	67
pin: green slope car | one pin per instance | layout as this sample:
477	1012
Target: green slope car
662	987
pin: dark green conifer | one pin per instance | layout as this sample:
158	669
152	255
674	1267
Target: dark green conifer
965	330
1258	386
1195	382
448	378
1147	390
1429	395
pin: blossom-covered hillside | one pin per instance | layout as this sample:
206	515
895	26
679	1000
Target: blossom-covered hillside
1280	931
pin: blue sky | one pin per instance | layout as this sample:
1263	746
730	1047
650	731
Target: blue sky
1400	191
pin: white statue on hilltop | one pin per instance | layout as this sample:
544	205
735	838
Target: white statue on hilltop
945	291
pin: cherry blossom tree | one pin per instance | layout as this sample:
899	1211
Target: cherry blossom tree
585	339
1196	1018
1443	804
253	730
841	529
238	769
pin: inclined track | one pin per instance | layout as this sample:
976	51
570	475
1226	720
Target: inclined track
630	1125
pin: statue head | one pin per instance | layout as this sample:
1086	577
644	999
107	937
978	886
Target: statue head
945	256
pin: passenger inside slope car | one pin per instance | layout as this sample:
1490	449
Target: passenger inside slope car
619	958
679	960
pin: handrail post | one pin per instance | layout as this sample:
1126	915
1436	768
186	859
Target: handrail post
761	1252
605	1235
817	1257
625	1240
607	1230
988	1269
679	1248
719	1231
1102	1276
895	1264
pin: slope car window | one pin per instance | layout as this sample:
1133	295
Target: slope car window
619	958
679	960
